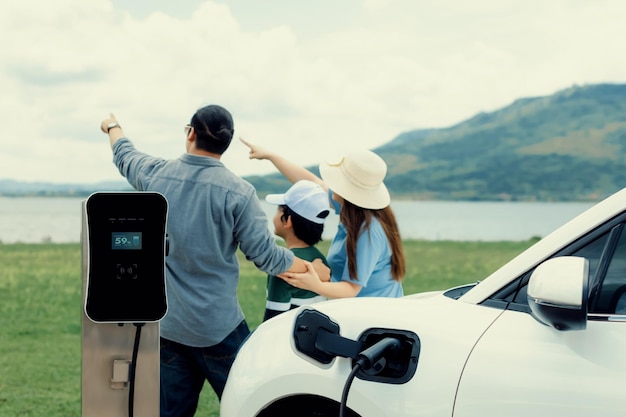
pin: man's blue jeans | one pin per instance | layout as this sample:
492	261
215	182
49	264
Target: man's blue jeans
184	370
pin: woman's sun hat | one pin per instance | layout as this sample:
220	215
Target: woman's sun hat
358	178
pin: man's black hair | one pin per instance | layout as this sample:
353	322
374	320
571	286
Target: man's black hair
214	128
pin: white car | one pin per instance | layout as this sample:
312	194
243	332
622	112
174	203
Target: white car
544	335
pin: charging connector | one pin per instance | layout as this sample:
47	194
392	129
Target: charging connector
388	356
369	358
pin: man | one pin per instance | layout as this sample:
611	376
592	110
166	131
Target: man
212	212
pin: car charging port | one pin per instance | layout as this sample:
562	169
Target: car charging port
318	337
380	355
374	356
399	362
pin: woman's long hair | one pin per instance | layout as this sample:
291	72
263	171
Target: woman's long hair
357	220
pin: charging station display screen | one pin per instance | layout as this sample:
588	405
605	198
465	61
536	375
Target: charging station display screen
126	240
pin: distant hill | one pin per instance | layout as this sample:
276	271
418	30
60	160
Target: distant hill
570	146
14	188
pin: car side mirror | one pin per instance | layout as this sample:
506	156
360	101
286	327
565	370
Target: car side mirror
558	291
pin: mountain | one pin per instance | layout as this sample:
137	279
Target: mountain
44	189
569	146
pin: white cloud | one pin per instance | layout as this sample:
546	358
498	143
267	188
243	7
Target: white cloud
307	81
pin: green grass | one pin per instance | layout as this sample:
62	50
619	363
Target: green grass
40	314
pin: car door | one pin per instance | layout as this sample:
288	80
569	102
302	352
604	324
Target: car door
521	367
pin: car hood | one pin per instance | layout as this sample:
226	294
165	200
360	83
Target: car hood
416	312
423	295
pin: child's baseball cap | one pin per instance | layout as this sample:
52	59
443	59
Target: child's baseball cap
305	198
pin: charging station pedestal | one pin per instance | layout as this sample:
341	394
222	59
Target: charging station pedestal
123	265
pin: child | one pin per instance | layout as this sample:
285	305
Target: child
299	220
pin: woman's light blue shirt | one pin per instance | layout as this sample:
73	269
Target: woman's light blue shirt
373	255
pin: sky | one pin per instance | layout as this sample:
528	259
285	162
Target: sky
307	79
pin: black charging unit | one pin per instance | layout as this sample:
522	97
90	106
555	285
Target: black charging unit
124	245
127	248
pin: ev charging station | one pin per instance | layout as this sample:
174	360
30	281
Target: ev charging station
124	245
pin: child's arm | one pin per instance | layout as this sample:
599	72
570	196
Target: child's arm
291	171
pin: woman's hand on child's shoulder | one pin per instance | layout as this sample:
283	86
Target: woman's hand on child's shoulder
322	270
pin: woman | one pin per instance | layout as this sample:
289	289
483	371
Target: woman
366	254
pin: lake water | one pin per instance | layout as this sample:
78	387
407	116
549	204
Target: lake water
34	220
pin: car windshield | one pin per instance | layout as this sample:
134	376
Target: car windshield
457	292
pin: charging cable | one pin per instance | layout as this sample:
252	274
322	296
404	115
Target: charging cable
131	371
366	360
